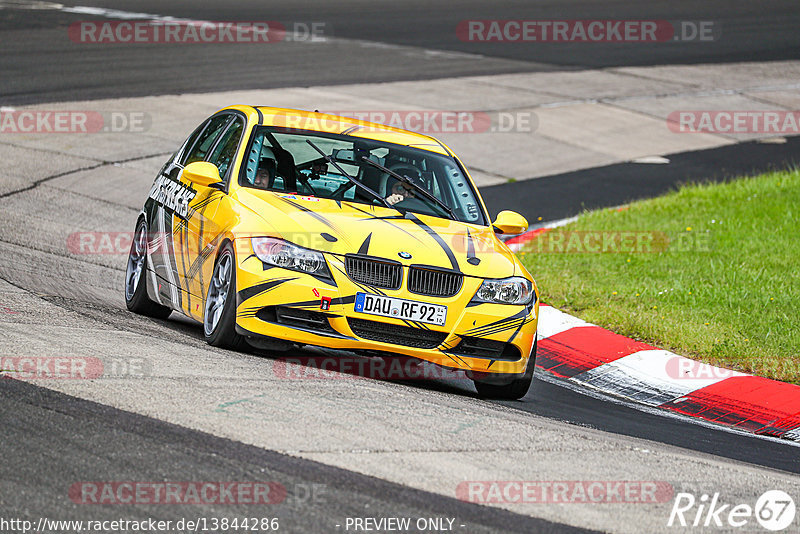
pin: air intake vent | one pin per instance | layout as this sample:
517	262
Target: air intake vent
487	348
373	271
434	282
396	334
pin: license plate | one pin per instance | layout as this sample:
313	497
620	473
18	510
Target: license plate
408	310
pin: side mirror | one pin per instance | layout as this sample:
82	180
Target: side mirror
202	173
509	222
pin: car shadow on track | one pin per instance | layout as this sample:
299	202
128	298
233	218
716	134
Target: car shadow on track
545	399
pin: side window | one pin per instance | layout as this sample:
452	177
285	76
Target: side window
187	146
226	148
205	140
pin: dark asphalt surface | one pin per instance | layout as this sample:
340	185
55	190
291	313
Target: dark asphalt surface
52	441
564	195
40	63
49	440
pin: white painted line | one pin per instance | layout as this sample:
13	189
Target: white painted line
651	160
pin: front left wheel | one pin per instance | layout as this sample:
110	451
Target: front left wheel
516	389
136	298
219	317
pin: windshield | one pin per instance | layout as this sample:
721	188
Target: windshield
286	162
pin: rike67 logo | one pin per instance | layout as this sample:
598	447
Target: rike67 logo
774	510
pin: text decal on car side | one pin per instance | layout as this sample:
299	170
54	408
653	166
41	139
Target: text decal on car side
172	195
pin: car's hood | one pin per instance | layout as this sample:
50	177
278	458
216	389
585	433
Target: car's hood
345	227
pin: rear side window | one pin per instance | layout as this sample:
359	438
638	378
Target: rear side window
223	153
206	139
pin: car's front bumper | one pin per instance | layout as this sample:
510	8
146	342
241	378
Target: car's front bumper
288	305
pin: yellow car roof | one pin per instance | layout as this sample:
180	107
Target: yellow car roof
335	124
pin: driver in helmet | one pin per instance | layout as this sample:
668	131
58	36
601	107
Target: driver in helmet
401	191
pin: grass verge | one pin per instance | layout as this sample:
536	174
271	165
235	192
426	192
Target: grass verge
711	272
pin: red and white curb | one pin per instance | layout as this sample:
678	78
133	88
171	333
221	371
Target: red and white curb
518	241
593	357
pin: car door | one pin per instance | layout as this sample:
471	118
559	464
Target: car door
202	228
174	213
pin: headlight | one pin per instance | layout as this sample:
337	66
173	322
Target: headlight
281	253
514	290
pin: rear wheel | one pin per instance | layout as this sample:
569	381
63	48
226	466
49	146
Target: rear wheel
515	389
219	319
136	298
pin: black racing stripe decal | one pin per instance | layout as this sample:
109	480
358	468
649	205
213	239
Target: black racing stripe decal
513	335
312	213
201	236
502	323
269	285
199	261
210	197
364	248
184	252
408	323
462	361
471	258
387	220
376	217
497	329
451	357
447	250
364	287
249	312
319	278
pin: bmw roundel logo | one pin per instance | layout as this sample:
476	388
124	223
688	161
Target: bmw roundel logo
404	255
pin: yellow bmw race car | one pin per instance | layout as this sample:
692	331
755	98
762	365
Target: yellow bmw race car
277	228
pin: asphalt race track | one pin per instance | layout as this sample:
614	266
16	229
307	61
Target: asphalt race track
341	448
63	70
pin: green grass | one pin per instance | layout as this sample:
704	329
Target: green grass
725	289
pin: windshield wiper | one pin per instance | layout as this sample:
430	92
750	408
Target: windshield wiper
409	181
369	190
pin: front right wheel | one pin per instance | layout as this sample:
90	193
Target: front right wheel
515	389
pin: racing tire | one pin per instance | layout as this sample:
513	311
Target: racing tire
136	298
219	317
514	390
